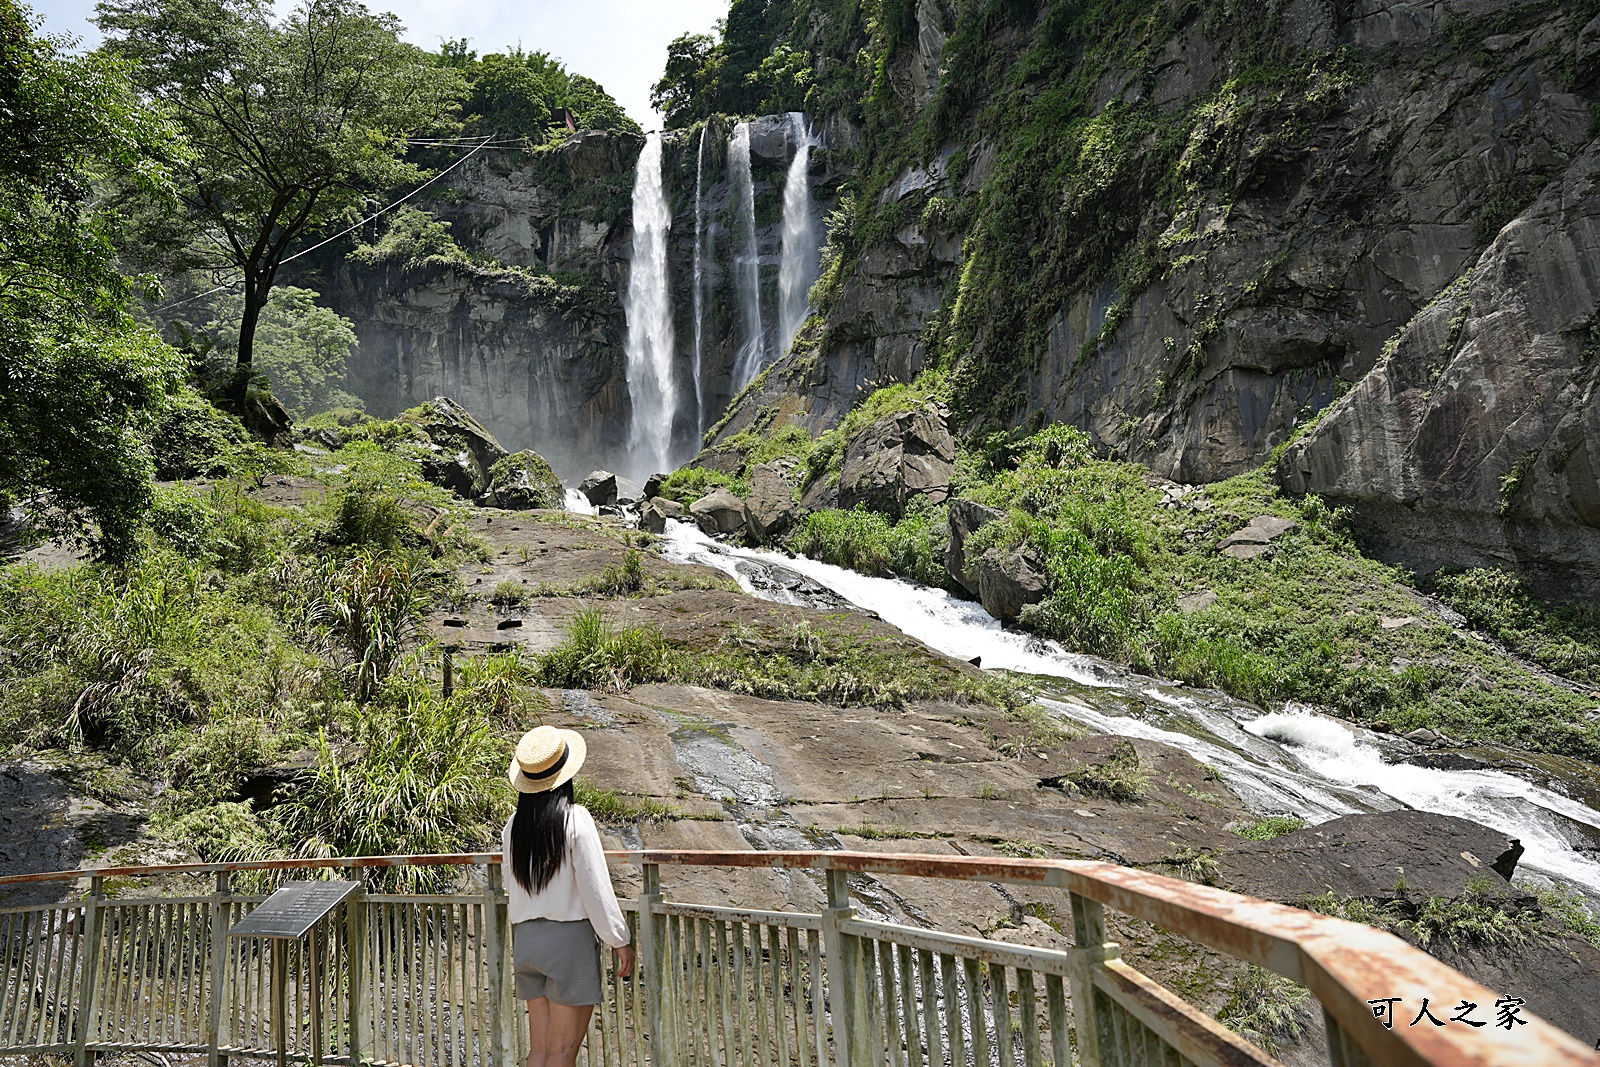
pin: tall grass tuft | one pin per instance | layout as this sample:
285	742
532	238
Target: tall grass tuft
428	779
599	655
369	606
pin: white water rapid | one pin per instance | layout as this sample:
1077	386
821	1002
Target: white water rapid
649	310
797	269
752	354
701	254
1284	762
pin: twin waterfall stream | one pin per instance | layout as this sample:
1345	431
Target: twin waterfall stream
655	381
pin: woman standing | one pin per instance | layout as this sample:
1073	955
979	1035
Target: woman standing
561	901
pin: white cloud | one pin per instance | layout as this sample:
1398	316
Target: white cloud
622	44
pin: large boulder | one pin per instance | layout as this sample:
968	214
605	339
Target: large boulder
523	481
896	458
718	512
770	509
463	449
600	487
654	513
966	517
1009	579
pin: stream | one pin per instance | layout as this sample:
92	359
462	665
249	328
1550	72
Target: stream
1289	761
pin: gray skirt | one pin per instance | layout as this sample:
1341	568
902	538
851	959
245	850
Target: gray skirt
558	960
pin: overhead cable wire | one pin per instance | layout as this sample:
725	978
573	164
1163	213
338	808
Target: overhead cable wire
348	229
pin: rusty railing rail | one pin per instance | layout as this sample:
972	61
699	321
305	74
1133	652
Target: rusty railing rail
423	979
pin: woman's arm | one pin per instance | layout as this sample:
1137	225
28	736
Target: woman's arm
594	881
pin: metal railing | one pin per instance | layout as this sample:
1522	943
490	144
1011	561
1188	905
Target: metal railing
394	978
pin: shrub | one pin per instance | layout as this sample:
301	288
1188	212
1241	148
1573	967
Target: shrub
368	516
1266	1009
185	519
1117	777
1268	827
598	655
370	606
429	778
865	541
499	685
1479	917
688	484
609	806
620	579
192	438
1563	637
510	593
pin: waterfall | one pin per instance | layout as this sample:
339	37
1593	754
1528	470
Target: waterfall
649	312
746	261
798	268
700	236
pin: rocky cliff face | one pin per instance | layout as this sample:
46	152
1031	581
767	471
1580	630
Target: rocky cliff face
1191	240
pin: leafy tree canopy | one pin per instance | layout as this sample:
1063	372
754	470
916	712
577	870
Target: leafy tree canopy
750	68
79	381
523	94
293	121
301	346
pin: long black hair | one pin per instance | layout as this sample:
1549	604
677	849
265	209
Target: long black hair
539	836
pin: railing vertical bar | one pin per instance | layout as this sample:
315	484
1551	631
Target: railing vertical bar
1119	1035
780	1016
1056	1002
473	961
758	971
131	921
26	952
819	996
706	994
119	973
635	999
688	975
975	1014
796	1000
178	978
1029	1010
742	1006
460	1021
160	935
1005	1046
905	963
955	1039
50	1017
930	1008
393	998
16	947
440	982
730	1038
46	969
610	997
138	933
893	1022
10	1005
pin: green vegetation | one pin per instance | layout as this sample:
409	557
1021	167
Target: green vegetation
1268	827
1486	914
688	484
870	543
1117	777
251	94
1564	638
527	95
614	808
1266	1009
301	348
86	386
598	655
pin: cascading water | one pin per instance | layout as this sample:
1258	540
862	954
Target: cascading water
1288	761
649	312
700	257
797	270
752	355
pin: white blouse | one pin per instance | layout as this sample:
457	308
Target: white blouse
580	889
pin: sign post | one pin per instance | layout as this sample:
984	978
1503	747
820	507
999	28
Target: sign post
288	915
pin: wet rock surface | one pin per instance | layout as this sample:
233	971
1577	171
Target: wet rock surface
770	509
719	512
599	488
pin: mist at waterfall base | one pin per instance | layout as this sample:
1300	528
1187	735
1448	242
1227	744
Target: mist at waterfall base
1287	762
649	312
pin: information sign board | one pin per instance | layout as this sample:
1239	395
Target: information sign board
293	909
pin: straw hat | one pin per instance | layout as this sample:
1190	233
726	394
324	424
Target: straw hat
546	757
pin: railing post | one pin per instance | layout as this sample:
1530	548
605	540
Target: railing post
844	981
220	972
89	987
1092	949
499	988
358	1031
1343	1052
653	966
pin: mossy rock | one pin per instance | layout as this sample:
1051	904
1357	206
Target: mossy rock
524	480
191	437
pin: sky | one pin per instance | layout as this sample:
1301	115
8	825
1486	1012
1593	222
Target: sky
622	44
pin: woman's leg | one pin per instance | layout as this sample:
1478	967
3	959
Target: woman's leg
556	1032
